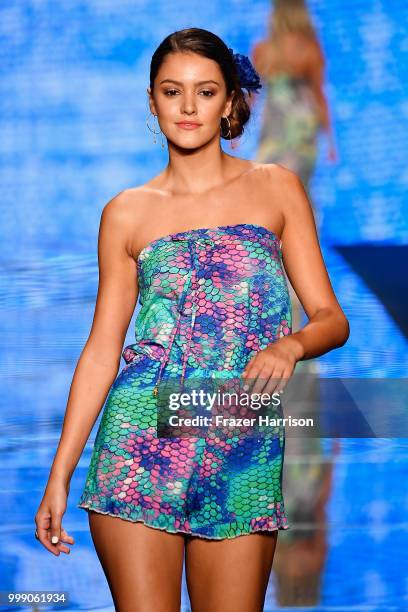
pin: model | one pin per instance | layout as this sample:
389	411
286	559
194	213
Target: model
203	249
291	65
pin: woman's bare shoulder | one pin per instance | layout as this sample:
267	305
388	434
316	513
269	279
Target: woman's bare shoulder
278	176
127	214
284	186
271	188
260	45
138	210
310	48
130	204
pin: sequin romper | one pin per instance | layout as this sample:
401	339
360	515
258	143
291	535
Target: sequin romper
210	298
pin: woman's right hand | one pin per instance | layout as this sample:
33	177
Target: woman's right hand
48	518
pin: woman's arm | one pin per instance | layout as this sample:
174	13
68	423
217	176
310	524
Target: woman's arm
316	76
100	358
328	327
96	368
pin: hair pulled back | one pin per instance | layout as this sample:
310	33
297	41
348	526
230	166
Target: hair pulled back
207	44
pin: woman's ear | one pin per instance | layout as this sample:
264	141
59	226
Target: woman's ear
228	106
151	101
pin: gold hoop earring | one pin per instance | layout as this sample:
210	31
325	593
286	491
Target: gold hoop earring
229	130
154	132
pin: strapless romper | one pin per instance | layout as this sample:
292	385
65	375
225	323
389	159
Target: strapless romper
210	299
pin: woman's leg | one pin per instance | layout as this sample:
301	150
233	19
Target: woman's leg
143	565
229	575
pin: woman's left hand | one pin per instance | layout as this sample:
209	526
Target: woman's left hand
271	367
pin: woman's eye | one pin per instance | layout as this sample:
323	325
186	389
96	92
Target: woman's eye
207	92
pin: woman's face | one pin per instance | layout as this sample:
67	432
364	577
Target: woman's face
189	88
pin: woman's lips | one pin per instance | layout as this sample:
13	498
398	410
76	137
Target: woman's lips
185	125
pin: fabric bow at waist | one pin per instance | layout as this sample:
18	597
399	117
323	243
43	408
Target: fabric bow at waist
189	289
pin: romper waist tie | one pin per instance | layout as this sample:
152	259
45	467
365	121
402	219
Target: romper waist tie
191	282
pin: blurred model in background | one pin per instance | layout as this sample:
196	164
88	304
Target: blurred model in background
291	64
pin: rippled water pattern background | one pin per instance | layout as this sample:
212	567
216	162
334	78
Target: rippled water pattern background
73	81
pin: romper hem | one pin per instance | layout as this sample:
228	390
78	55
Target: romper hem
228	530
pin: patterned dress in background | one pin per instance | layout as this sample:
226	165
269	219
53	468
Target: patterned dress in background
288	136
290	124
210	299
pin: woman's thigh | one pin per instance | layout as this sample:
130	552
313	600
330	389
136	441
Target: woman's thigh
229	575
143	565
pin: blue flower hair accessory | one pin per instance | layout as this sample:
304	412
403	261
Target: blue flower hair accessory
248	77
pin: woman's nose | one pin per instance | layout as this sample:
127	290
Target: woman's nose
188	104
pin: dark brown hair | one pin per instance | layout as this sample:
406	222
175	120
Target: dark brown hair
207	44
